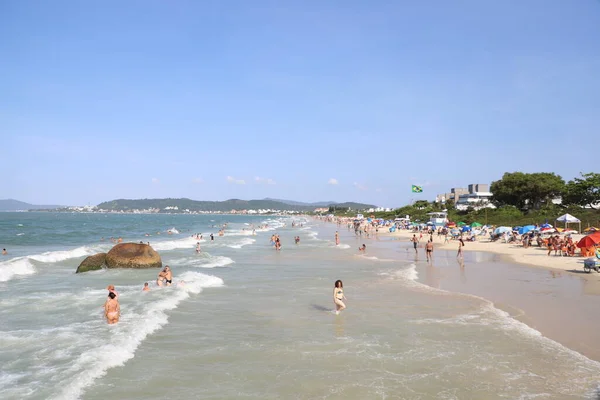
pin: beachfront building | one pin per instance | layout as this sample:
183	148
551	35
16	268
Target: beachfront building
476	196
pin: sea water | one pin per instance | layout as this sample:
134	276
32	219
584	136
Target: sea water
252	322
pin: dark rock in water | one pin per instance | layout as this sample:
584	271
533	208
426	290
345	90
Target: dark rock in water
133	255
92	263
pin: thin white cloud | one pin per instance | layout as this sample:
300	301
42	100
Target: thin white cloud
359	186
197	180
155	180
231	179
266	181
333	181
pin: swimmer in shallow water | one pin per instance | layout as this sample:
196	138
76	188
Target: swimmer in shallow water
165	277
338	296
112	309
4	252
146	287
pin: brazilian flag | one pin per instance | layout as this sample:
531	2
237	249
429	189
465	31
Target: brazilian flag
417	189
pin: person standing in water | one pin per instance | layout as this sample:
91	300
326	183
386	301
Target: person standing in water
461	244
198	250
337	238
4	252
415	242
338	296
146	287
429	249
112	309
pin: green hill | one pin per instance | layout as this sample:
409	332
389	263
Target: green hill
168	205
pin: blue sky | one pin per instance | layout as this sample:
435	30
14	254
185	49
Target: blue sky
250	99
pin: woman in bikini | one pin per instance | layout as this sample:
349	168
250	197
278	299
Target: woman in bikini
112	309
165	277
338	296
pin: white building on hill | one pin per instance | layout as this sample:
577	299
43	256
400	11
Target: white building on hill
478	197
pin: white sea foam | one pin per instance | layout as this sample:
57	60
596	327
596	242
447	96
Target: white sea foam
242	243
127	335
20	234
15	267
173	231
342	246
61	255
185	243
375	258
409	275
218	261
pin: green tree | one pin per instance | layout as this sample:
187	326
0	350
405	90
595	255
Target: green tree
527	190
584	191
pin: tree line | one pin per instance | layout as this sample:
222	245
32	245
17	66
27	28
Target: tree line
521	199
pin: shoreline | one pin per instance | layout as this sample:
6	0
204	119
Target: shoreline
532	256
557	301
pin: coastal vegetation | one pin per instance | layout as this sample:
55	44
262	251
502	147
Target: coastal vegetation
521	199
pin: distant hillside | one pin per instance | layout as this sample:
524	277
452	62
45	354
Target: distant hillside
299	203
16	205
223	206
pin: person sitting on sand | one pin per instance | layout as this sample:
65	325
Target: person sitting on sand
146	287
338	296
112	309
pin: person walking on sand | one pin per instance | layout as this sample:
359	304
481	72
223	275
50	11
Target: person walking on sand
338	296
461	244
337	238
415	241
112	309
429	249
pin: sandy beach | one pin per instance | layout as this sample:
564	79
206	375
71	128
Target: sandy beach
533	256
551	294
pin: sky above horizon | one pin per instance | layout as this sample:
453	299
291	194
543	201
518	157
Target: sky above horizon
299	100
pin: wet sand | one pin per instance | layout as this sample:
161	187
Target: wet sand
561	303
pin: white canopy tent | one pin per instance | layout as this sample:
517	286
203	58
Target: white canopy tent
569	219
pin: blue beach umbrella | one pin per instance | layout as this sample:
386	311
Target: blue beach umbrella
546	226
466	228
502	229
525	229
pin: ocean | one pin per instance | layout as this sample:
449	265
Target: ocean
254	323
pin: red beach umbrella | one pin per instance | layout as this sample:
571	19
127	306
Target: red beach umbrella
589	240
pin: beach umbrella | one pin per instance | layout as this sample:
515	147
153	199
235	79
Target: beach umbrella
461	223
466	228
525	229
475	224
591	229
502	229
546	226
590	240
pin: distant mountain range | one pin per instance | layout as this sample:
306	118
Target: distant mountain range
299	203
223	206
16	205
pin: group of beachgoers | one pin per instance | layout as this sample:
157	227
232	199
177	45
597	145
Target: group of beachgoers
429	245
276	242
112	308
